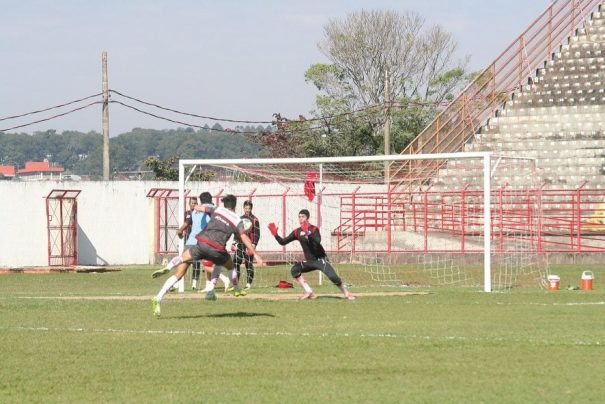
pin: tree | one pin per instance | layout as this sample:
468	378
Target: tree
362	48
164	170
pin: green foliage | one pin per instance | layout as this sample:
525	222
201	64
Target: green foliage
325	76
163	170
81	153
408	122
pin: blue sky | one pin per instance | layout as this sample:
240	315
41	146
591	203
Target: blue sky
231	58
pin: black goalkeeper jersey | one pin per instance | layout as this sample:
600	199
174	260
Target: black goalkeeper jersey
310	241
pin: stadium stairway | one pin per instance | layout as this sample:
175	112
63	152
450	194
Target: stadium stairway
558	119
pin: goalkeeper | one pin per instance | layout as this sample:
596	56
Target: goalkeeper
315	256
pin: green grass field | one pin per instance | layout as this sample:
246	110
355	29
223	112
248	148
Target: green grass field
73	337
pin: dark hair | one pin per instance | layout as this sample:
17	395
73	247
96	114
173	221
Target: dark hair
205	197
305	212
248	203
229	201
193	199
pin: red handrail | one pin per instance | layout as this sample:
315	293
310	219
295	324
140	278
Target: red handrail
457	123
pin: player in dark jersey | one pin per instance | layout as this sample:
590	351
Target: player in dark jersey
315	256
211	242
241	254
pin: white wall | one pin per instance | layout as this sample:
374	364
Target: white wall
116	219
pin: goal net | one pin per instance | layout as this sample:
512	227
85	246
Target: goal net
434	220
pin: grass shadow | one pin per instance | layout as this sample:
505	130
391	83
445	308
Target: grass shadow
238	314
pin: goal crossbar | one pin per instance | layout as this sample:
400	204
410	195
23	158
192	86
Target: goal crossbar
486	157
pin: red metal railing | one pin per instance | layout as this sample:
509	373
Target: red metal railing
457	123
426	220
532	220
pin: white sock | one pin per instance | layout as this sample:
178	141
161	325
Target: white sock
224	279
174	262
343	289
194	283
301	281
167	285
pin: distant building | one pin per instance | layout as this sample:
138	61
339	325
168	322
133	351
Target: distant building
40	170
7	172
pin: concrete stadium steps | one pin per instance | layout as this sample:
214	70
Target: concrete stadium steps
558	118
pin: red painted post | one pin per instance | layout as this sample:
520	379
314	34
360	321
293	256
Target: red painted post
463	219
389	219
353	219
283	215
426	220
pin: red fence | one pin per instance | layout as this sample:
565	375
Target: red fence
541	220
425	221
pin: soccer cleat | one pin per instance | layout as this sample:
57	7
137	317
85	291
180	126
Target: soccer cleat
238	293
155	306
349	296
307	296
210	295
230	290
160	272
248	286
228	287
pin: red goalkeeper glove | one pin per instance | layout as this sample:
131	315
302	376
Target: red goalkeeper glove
273	229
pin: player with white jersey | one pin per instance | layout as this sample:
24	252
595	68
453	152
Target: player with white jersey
211	242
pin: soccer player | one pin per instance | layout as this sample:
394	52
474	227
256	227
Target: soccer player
196	219
241	254
315	256
193	224
211	241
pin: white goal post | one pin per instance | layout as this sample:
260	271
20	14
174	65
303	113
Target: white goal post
188	166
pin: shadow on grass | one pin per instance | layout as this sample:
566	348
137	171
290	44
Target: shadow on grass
238	314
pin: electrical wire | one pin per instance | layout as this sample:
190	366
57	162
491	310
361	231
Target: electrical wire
242	121
50	108
187	113
52	117
232	131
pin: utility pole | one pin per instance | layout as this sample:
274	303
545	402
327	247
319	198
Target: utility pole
105	118
387	125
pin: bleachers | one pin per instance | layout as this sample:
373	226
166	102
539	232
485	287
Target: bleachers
558	118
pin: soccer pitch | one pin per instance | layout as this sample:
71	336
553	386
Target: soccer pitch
91	337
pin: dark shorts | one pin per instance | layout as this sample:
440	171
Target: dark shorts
204	251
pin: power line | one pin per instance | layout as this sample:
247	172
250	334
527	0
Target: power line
235	120
52	117
50	108
232	131
188	113
174	120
